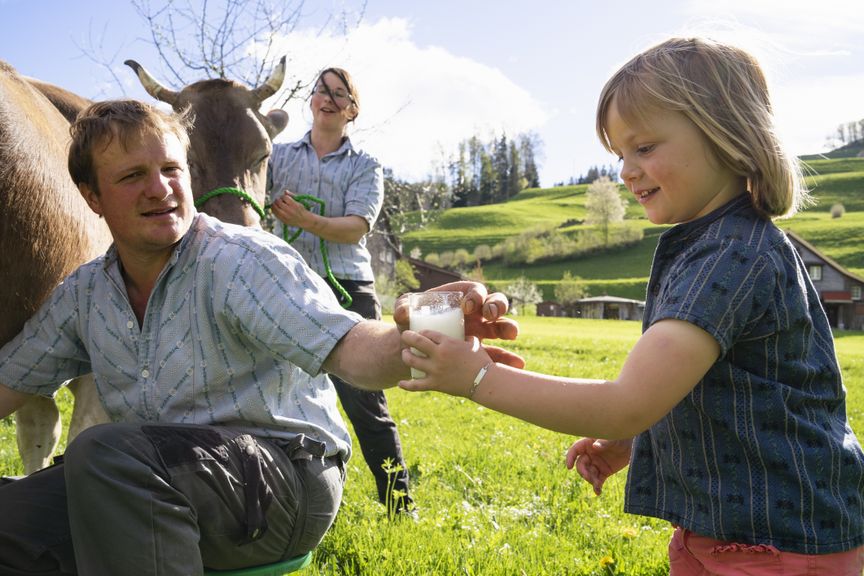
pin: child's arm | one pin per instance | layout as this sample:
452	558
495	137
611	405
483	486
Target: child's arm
669	359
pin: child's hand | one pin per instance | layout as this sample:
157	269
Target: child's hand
596	460
450	364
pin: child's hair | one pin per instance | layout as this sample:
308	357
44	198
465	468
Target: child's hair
723	91
101	122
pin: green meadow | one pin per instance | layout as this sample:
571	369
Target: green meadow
493	493
625	272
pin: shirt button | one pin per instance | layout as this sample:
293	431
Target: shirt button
130	324
145	373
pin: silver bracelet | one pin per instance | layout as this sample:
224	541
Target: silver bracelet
479	378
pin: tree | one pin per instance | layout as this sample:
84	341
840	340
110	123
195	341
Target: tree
570	290
515	179
523	294
605	205
235	39
529	149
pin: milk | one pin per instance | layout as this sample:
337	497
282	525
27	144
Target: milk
448	321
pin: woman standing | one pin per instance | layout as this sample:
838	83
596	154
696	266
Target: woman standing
324	164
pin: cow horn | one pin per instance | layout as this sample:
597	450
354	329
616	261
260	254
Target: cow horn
151	85
272	84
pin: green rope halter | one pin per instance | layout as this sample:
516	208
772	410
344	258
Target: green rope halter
307	201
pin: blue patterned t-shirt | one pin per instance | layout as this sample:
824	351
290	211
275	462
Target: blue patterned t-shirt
348	181
235	333
760	451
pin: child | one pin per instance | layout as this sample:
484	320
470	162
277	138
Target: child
730	409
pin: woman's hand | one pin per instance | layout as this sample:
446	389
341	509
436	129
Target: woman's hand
290	212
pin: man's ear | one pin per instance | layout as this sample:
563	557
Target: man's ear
91	197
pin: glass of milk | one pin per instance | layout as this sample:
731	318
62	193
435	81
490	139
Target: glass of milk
438	311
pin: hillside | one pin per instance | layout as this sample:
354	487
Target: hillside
625	272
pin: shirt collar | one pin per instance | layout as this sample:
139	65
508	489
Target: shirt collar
741	201
306	142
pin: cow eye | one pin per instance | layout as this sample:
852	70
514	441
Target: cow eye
262	160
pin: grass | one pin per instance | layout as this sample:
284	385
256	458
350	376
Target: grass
494	495
624	272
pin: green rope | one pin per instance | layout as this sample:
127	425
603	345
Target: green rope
307	201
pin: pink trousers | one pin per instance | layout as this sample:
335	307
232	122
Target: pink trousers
694	555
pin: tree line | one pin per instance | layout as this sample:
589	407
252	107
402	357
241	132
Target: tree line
847	133
482	173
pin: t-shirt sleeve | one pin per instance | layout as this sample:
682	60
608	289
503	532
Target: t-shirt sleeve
723	287
48	351
283	306
365	194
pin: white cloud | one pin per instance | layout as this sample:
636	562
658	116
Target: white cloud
807	112
415	101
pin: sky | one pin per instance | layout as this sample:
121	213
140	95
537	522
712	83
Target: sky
434	73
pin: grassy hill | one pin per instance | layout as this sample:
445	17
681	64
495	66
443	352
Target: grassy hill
625	272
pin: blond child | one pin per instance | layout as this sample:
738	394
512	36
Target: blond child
730	409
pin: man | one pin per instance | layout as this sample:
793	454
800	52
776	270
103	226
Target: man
208	343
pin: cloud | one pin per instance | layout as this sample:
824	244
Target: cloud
417	102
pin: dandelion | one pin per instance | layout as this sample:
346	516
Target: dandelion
629	532
606	561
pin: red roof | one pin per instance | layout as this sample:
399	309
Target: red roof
836	296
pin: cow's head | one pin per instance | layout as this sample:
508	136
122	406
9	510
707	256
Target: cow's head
230	141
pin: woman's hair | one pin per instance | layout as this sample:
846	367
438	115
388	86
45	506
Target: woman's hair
126	120
347	80
723	91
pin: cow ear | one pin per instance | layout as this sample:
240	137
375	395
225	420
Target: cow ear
278	121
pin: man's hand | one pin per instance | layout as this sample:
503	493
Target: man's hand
484	312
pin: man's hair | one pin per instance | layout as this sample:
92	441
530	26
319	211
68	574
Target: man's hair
723	91
100	123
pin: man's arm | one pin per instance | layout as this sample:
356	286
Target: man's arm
369	356
10	400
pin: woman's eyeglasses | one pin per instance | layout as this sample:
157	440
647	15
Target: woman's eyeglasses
338	94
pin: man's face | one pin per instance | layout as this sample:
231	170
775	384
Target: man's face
145	195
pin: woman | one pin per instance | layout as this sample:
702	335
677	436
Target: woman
324	165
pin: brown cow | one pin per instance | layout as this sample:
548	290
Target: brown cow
47	231
231	140
230	144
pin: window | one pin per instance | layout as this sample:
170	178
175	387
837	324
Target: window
815	271
856	292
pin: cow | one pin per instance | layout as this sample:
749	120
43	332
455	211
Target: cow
230	143
230	140
46	231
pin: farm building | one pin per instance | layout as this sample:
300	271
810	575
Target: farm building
611	308
597	307
839	290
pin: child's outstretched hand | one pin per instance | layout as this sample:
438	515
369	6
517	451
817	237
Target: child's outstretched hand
450	364
596	460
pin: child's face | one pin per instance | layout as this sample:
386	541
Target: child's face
668	165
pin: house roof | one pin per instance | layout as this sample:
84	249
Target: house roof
797	239
611	300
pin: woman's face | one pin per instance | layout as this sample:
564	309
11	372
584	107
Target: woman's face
332	105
